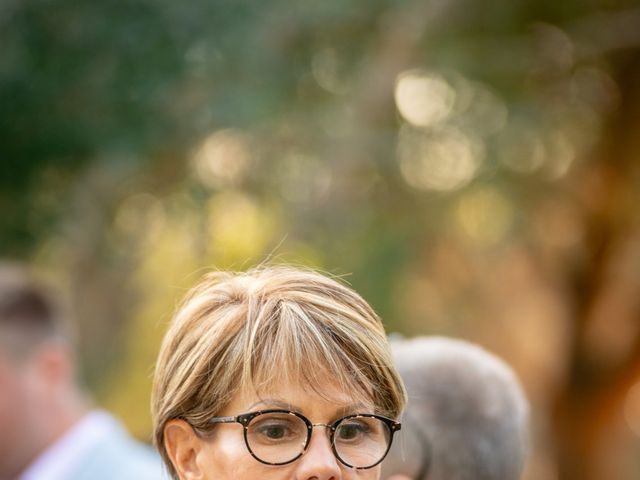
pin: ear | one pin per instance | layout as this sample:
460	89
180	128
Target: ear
183	446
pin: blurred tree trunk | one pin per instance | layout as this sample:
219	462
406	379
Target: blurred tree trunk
595	387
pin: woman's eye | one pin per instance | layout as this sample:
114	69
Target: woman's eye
351	431
274	432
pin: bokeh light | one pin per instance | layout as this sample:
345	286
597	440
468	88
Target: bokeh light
521	148
478	108
423	99
223	159
446	160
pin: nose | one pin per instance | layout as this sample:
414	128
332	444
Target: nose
318	461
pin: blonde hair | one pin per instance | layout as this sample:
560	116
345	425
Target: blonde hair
233	328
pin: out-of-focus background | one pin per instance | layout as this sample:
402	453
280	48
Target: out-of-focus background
470	167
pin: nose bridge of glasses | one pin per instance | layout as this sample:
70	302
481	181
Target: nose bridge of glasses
330	427
329	430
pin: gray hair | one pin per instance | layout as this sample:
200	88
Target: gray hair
466	418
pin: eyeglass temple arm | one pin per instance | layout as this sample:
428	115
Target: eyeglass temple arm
223	420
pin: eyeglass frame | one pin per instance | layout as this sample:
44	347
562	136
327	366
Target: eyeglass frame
245	419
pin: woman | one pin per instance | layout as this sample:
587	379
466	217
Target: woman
275	374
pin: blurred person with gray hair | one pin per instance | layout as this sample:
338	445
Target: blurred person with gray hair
48	428
466	418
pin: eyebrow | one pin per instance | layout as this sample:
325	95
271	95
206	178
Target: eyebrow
357	407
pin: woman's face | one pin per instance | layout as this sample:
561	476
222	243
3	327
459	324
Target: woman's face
224	455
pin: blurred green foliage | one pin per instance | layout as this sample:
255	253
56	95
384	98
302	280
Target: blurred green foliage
430	152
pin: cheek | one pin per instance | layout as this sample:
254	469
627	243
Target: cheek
13	399
369	474
215	457
225	457
14	417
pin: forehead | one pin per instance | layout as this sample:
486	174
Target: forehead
331	381
17	342
323	398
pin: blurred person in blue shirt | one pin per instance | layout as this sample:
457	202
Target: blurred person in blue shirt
48	429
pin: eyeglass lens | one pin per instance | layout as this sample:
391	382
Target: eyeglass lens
279	438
